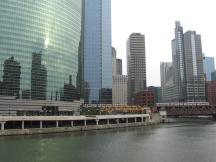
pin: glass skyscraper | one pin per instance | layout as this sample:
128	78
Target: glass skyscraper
187	68
209	67
40	39
97	51
178	62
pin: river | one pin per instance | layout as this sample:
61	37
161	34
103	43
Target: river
179	141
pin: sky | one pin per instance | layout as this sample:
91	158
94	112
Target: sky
156	20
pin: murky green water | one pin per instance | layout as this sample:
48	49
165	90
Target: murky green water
183	141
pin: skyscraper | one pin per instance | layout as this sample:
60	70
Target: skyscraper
209	67
188	82
52	27
136	65
195	79
97	51
114	62
168	91
120	83
178	62
183	80
119	66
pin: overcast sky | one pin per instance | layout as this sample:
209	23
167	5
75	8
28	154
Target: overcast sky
156	20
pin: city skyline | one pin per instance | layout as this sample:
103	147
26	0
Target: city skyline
183	80
158	28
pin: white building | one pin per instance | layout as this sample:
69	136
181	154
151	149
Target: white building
119	93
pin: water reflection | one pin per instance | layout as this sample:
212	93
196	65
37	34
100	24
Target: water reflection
183	141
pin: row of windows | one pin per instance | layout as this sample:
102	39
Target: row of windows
52	27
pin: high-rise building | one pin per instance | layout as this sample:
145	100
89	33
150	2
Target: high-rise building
119	66
168	90
120	89
178	62
97	51
209	67
52	27
114	63
188	74
157	93
184	80
136	65
195	78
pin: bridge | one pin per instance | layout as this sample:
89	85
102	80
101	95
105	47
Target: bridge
188	109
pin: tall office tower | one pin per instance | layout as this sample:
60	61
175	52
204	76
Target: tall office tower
195	79
114	63
168	90
11	77
188	66
136	65
120	89
178	62
97	51
209	67
119	66
52	27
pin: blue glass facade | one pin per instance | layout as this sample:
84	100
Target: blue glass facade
209	67
40	39
97	51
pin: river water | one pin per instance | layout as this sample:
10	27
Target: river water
180	141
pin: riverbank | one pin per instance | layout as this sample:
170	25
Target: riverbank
59	124
189	141
66	129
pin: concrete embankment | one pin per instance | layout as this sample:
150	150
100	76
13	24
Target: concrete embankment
65	129
43	125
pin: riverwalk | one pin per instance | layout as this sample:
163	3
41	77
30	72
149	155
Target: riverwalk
23	125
